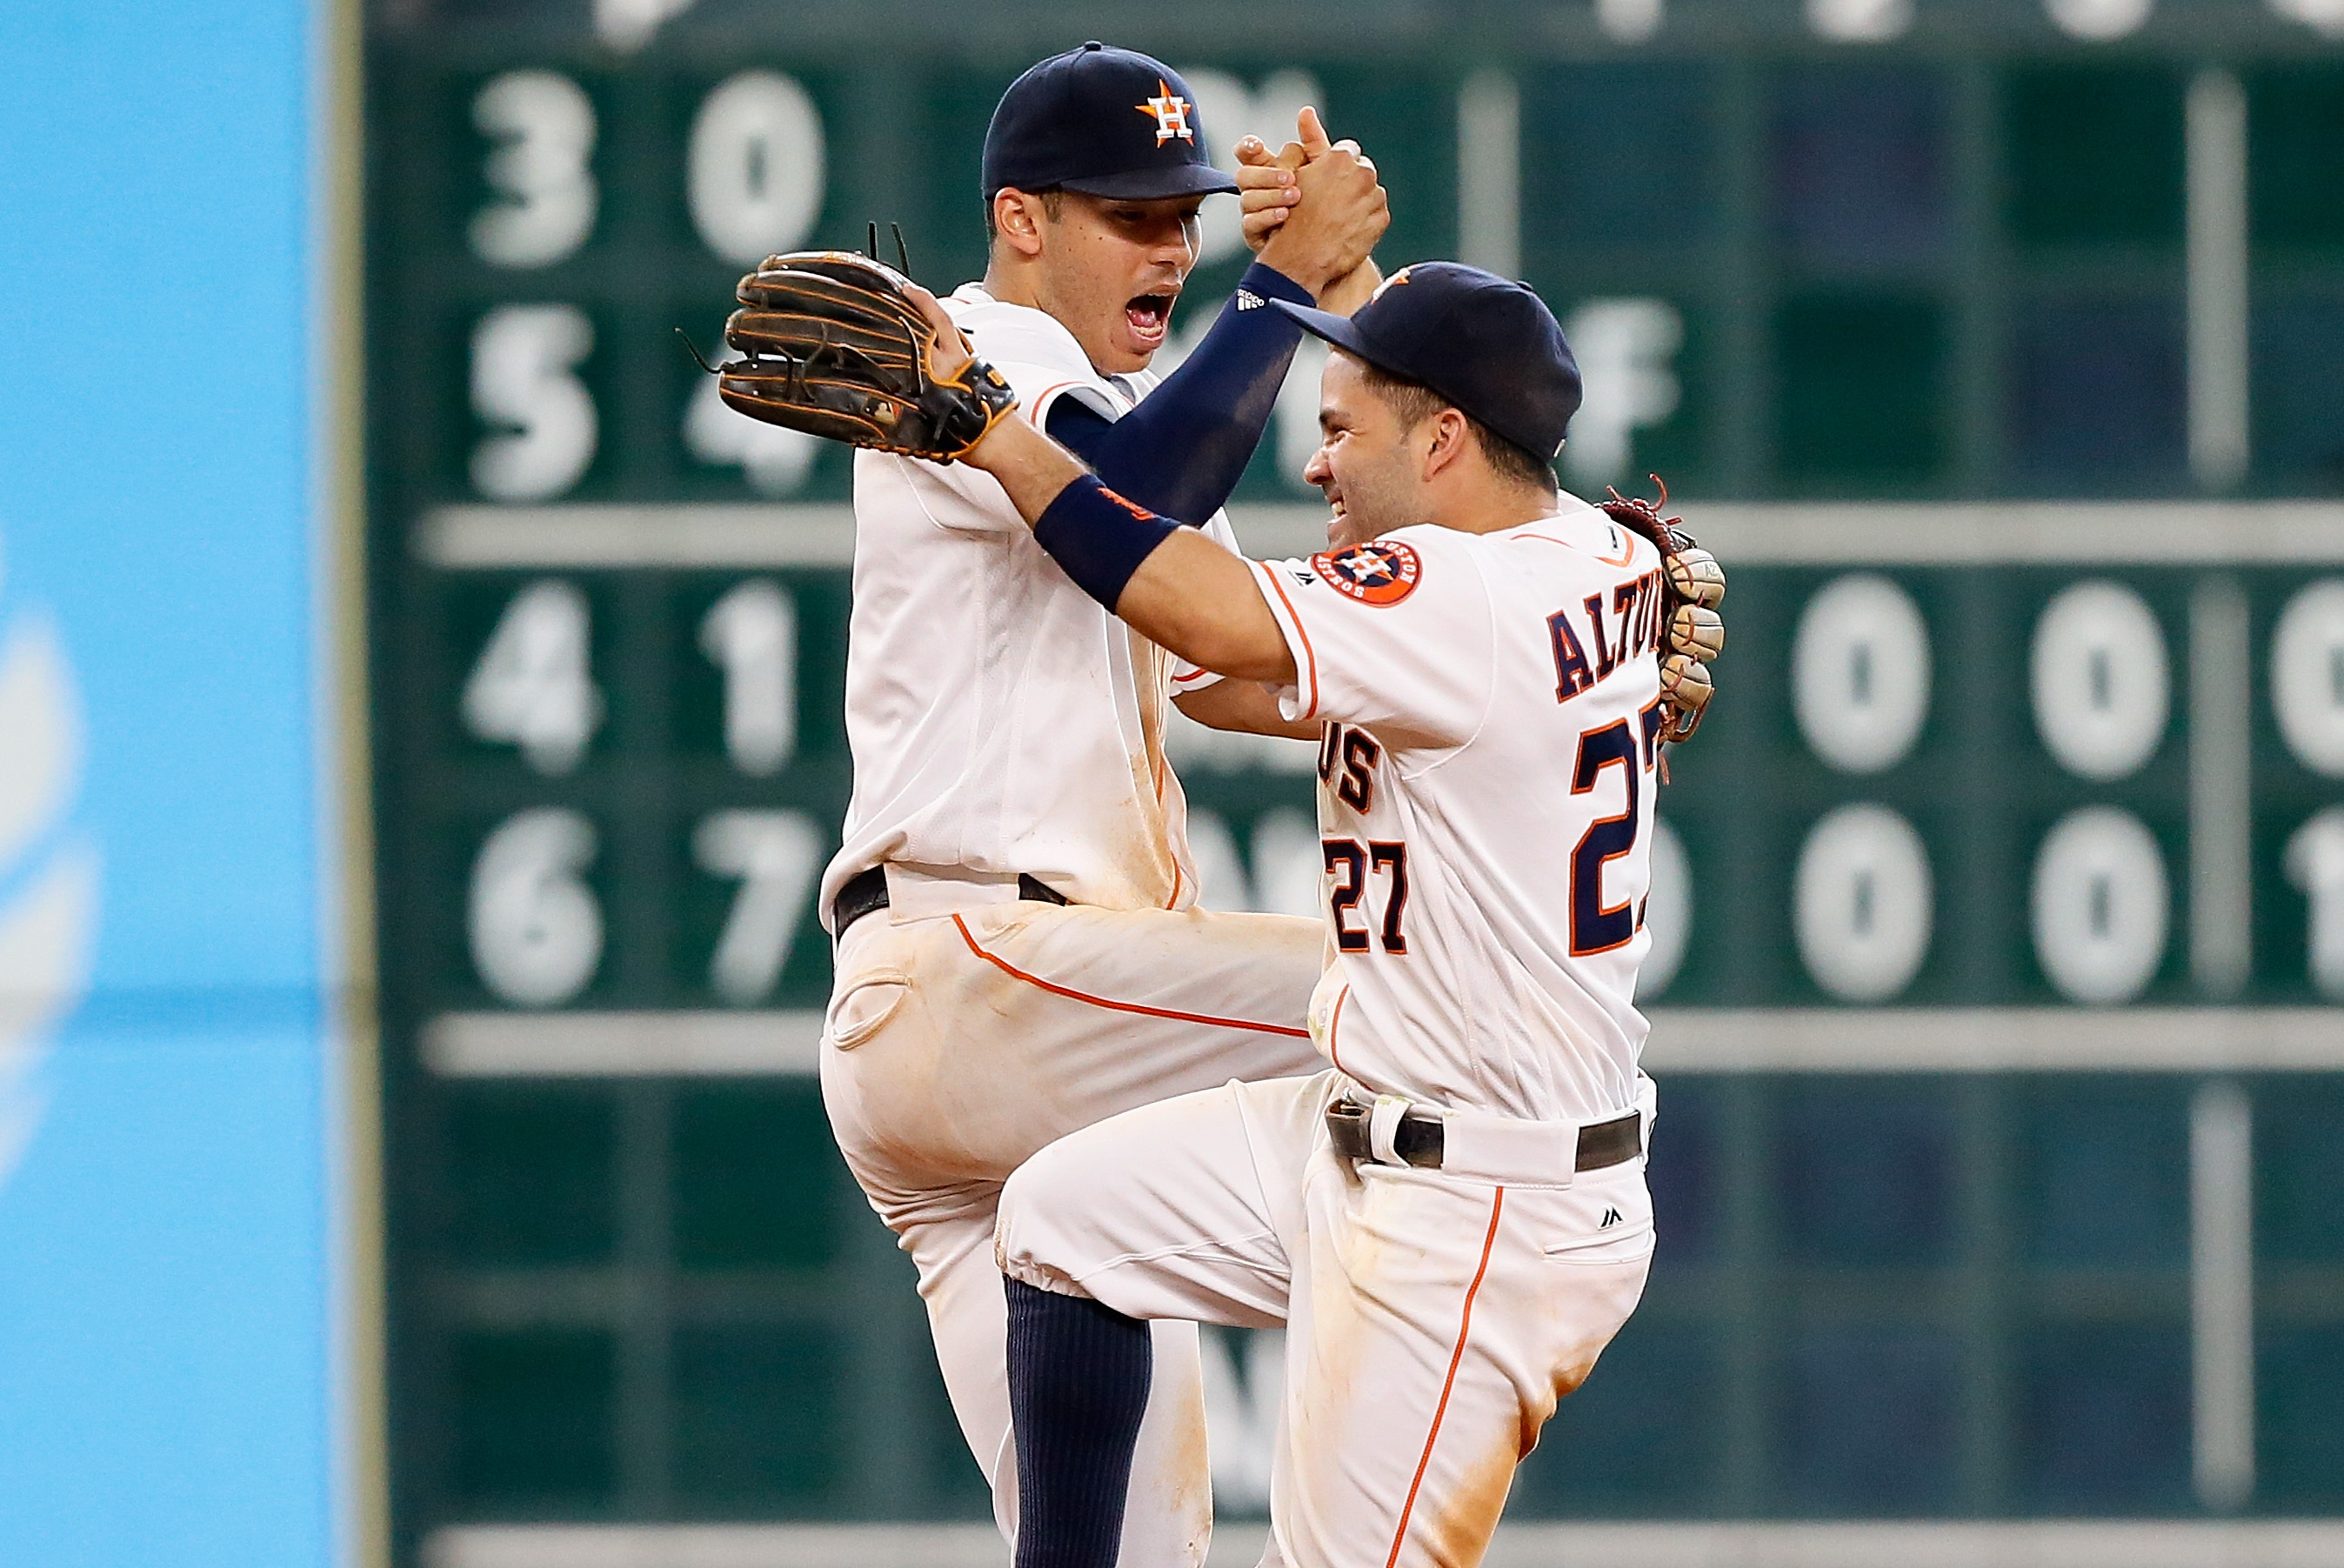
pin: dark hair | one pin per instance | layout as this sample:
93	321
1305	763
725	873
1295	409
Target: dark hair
1415	402
1054	203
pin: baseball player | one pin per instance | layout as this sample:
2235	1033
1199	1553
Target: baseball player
1452	1219
1018	952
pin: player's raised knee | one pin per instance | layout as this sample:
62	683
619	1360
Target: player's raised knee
1036	1234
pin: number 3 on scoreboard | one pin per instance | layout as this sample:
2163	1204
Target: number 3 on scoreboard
1594	927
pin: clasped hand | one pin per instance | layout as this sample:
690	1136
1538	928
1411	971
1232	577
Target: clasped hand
1314	210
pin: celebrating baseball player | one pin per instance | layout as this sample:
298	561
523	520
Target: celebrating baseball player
1451	1220
1019	951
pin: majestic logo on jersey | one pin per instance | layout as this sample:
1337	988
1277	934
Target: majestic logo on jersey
1171	112
48	871
1380	571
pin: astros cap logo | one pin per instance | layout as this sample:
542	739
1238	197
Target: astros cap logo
1379	572
1393	281
1171	112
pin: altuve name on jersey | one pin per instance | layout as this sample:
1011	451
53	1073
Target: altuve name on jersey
1619	626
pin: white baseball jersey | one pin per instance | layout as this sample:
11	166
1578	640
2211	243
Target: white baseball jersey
1492	715
1001	721
1492	711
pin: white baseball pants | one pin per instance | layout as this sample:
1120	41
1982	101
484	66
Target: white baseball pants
959	1045
1432	1321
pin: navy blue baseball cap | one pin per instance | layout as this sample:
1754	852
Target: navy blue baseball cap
1488	345
1103	121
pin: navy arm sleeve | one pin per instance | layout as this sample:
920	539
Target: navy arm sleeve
1183	449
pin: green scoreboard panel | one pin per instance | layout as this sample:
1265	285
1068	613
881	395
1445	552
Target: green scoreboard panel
1999	907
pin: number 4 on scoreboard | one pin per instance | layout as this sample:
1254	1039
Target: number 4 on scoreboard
530	688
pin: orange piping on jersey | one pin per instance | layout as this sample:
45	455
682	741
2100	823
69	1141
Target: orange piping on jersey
1335	1027
1627	557
1488	1243
1191	675
1308	652
1043	401
1015	973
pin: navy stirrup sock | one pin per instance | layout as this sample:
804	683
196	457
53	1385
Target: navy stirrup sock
1079	1380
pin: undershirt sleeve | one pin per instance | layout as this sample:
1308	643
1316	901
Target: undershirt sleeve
1182	450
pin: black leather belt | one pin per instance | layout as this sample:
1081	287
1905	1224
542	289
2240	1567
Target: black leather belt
1417	1137
866	892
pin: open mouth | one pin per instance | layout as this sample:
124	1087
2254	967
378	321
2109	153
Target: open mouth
1150	316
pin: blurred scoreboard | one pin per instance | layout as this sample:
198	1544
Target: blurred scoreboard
1994	787
1965	757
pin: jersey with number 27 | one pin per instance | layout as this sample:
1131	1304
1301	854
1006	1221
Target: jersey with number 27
1487	768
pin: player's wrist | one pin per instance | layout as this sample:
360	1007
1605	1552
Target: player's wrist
1001	447
1268	281
1098	538
1294	258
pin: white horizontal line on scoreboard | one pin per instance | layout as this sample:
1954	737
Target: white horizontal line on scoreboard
712	1044
699	534
1995	1039
624	1044
1909	1543
590	536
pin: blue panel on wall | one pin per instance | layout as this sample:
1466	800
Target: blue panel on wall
163	1203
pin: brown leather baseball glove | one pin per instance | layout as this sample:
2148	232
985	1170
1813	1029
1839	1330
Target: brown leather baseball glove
832	344
1692	585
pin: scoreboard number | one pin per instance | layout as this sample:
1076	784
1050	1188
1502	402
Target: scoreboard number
751	635
1860	673
543	124
2100	680
756	166
540	415
775	855
1861	899
2315	862
1668	911
531	688
2099	906
535	926
2308	676
776	459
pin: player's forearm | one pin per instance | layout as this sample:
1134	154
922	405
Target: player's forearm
1183	449
1177	588
1246	706
1030	467
1353	290
1201	601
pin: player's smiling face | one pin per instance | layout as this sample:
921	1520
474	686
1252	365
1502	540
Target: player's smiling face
1110	271
1366	465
